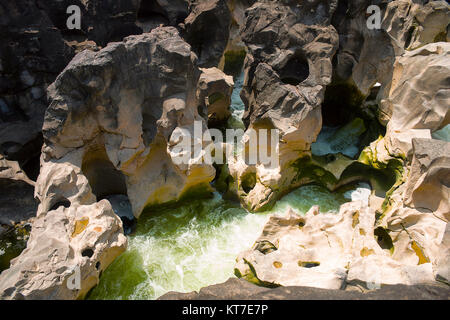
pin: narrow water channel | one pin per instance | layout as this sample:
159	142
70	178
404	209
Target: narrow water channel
195	244
192	245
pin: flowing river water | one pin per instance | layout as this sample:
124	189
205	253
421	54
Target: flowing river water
194	244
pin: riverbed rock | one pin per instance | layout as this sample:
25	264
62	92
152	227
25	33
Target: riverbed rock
365	56
288	64
238	289
117	125
67	251
418	98
207	29
214	94
416	214
332	251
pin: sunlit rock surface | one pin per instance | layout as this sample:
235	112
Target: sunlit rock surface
285	78
120	106
79	241
214	92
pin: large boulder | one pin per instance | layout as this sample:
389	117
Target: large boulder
214	93
113	113
67	251
418	98
289	63
208	42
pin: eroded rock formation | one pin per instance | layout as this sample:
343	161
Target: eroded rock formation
112	113
68	249
288	65
111	143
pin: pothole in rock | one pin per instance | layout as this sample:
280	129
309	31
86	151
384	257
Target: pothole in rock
109	183
295	71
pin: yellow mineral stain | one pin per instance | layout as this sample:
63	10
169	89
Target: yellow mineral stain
419	252
80	225
365	252
277	264
362	232
98	229
355	219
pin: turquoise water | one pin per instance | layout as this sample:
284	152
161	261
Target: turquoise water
333	140
195	244
443	134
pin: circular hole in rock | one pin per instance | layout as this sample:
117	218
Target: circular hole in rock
87	253
248	182
62	202
295	71
97	265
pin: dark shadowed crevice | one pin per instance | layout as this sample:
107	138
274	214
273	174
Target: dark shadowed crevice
150	10
27	155
248	182
103	177
63	202
109	183
341	104
295	71
87	253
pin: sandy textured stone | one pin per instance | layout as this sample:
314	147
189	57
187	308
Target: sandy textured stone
81	239
327	251
214	93
109	116
287	67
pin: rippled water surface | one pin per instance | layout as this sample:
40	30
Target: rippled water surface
195	244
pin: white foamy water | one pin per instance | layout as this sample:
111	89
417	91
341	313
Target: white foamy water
195	245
